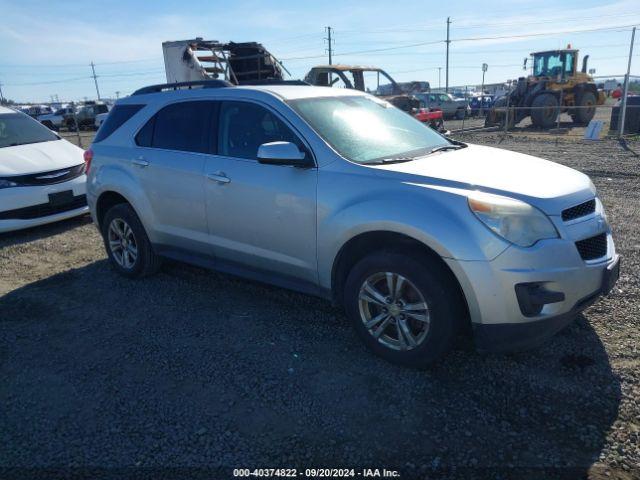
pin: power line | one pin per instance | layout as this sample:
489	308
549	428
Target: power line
50	82
461	25
541	34
78	65
367	51
468	39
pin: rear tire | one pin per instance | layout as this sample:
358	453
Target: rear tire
586	101
545	110
423	281
127	244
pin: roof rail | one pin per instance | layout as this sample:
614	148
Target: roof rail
273	81
182	85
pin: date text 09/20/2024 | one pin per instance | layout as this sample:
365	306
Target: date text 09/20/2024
316	472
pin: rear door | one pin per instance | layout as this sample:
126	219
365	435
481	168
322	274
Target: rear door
170	165
261	217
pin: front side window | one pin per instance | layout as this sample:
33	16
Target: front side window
20	129
245	126
365	129
181	126
548	65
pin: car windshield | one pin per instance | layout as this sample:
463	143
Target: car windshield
19	129
365	129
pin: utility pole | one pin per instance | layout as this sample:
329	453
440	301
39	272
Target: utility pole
95	79
626	84
485	67
330	49
439	83
1	96
446	87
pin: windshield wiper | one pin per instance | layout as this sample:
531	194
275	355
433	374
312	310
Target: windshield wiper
446	147
387	161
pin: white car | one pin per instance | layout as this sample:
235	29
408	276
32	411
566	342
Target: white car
42	176
101	117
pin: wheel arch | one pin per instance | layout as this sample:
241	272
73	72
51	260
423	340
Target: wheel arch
363	244
105	201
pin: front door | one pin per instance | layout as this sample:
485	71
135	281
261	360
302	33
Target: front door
261	217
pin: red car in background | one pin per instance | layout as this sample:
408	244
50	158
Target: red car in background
431	116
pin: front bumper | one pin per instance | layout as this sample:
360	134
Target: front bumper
25	198
522	336
499	321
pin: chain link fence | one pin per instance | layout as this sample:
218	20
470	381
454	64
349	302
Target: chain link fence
504	118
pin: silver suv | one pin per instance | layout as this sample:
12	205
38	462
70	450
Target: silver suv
337	193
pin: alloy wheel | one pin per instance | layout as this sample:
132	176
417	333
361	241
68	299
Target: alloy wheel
122	243
394	311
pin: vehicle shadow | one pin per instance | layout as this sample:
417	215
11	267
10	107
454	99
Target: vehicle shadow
191	367
18	237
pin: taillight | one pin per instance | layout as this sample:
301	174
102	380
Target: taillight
88	156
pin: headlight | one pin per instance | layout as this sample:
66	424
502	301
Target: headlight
4	183
515	221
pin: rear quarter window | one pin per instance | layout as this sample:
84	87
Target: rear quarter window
117	117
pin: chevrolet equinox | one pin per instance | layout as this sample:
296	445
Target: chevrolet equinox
339	194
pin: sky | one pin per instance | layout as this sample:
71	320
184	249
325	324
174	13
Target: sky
46	47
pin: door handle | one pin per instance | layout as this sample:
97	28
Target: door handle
140	162
219	177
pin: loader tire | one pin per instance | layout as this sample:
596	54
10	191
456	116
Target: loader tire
586	103
545	110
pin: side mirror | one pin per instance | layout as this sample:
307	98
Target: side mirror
282	153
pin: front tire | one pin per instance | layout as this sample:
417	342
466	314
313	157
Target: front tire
586	101
128	247
545	110
404	308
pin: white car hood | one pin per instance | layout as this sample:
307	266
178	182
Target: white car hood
547	185
39	157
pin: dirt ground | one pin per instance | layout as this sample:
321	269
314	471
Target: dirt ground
204	372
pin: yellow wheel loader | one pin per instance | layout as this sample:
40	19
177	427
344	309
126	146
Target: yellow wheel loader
554	87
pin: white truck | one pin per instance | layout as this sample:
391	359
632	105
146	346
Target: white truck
57	119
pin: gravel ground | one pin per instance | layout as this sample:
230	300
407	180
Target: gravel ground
204	372
568	129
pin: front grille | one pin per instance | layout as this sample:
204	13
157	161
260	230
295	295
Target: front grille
579	210
47	178
592	248
43	209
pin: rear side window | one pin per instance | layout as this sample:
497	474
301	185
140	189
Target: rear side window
144	138
117	116
181	126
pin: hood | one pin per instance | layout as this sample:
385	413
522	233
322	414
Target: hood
547	185
39	157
